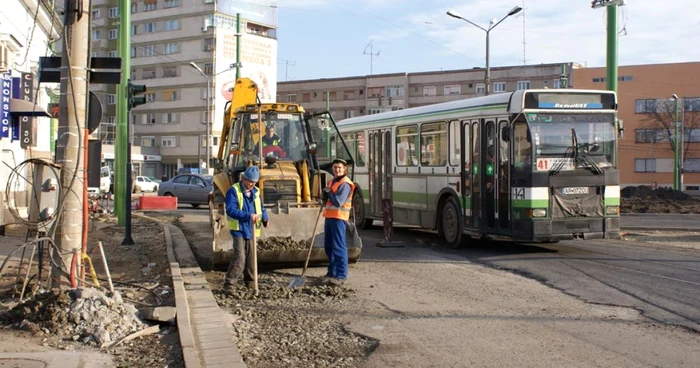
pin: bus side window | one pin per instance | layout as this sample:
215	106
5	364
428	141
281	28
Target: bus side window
360	159
522	146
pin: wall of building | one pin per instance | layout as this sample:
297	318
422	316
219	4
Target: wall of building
643	162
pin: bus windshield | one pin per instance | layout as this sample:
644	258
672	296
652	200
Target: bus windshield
283	135
563	135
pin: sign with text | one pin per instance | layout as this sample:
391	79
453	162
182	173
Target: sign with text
5	97
27	125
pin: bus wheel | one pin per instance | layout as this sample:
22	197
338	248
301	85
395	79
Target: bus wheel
358	206
450	225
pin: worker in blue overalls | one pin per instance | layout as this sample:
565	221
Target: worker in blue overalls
338	204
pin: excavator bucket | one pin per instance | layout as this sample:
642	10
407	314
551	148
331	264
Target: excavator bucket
296	223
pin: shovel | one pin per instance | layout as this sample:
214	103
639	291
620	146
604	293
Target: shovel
255	260
301	280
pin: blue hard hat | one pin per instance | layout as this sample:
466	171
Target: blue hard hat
252	173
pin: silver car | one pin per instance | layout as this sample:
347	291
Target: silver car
188	188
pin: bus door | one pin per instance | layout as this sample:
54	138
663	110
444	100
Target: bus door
465	149
489	172
503	178
379	169
475	174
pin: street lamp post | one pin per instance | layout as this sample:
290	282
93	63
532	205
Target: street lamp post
678	152
487	76
208	122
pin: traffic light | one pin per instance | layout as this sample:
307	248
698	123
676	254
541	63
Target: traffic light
132	90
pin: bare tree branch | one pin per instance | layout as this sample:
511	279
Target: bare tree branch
662	121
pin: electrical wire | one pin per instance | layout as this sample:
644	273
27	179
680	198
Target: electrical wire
31	35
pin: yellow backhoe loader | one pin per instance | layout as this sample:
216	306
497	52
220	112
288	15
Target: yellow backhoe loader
293	150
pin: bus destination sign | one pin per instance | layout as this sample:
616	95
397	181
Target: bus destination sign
563	100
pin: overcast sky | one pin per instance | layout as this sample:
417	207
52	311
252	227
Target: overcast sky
329	38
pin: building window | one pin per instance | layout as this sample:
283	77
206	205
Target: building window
169	95
133	52
149	50
172	3
348	95
331	96
291	98
523	85
429	91
480	89
170	72
208	44
114	12
349	114
134	8
149	5
111	99
112	54
150	27
498	87
375	91
95	34
96	14
208	68
691	104
169	117
168	141
107	131
556	83
626	78
306	97
452	90
170	48
209	1
650	136
149	119
394	91
171	25
148	74
150	97
148	141
113	33
95	54
645	106
645	165
134	29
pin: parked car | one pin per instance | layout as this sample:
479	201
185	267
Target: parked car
144	184
155	180
191	189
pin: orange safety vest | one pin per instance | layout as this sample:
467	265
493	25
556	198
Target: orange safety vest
342	212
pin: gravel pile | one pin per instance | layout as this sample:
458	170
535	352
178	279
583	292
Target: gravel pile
645	192
281	243
302	327
87	315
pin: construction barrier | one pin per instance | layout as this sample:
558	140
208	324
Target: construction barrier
157	203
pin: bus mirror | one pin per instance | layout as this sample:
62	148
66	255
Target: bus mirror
620	129
505	134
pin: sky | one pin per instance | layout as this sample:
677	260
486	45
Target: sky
331	38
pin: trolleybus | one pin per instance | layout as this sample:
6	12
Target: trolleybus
528	166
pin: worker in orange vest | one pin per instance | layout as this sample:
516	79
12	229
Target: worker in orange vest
338	198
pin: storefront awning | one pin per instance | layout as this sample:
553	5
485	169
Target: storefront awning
26	108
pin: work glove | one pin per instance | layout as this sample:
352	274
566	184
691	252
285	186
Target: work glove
265	223
324	195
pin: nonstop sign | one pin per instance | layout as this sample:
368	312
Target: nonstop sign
5	97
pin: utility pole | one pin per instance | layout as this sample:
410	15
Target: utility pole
611	49
121	162
72	120
371	55
238	47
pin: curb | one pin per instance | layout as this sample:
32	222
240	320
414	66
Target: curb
205	336
661	229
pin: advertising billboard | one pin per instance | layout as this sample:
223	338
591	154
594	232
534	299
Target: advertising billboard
258	11
259	63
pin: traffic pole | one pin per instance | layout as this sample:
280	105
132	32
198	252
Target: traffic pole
611	57
71	129
238	45
121	172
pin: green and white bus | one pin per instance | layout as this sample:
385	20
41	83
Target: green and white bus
528	166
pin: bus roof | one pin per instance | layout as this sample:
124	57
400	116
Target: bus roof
502	103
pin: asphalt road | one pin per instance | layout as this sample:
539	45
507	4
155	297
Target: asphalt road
660	221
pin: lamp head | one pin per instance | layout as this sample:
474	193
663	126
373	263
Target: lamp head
675	96
515	10
192	64
454	14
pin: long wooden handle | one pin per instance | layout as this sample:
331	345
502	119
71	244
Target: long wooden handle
255	260
311	246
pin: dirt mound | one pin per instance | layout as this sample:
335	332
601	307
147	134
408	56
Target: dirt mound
644	191
281	243
87	315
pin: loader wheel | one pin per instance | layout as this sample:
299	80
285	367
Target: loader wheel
358	206
450	223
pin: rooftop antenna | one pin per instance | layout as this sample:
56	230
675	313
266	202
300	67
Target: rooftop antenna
287	63
371	55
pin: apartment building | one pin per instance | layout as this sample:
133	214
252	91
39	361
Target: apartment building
648	111
372	94
167	37
27	30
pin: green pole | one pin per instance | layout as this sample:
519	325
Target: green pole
677	148
120	145
238	45
612	48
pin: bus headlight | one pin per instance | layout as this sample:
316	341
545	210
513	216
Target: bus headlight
612	210
539	212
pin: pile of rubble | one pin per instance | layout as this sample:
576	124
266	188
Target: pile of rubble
87	315
644	199
281	243
300	327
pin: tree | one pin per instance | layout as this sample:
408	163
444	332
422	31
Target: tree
661	117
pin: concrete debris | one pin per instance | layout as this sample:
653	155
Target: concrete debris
281	243
87	315
159	314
